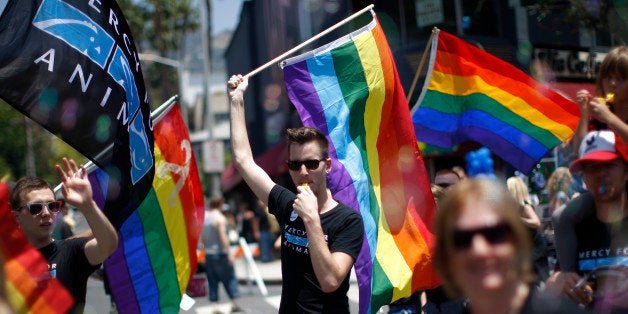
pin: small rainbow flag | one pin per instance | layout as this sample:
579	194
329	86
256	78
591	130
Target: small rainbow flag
470	94
156	257
29	286
350	90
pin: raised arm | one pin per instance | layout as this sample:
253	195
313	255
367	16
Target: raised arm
77	191
583	97
256	178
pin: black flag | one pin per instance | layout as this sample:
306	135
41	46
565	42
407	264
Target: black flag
72	67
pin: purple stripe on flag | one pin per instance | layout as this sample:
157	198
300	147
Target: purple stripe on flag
500	146
339	181
99	181
118	273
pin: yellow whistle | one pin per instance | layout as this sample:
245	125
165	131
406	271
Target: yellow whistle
304	184
608	99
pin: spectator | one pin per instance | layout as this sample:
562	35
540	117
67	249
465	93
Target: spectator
446	178
592	230
266	237
248	223
559	188
218	259
609	110
483	252
460	172
519	190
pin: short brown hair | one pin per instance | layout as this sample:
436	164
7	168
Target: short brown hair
614	64
24	186
306	134
216	202
494	195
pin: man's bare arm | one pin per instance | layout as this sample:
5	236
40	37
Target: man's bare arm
77	192
256	178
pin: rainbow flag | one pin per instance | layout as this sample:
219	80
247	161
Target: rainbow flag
350	90
29	286
156	257
471	95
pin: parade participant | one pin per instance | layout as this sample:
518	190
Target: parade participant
71	260
321	238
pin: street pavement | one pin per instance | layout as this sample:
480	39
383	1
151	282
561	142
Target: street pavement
252	300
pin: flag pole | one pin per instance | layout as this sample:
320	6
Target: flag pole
307	42
421	64
156	115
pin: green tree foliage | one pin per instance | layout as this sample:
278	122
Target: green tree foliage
159	27
604	16
47	149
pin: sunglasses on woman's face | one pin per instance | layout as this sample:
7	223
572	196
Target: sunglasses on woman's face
310	164
496	234
36	208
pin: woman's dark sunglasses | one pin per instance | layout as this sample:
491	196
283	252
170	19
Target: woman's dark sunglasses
494	235
311	164
36	208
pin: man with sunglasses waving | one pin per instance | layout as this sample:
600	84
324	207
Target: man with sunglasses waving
72	260
320	238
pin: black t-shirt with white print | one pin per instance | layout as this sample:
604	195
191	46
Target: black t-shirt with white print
67	262
343	230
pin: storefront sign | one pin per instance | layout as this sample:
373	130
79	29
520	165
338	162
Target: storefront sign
572	64
428	12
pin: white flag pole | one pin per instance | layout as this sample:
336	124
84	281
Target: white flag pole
307	42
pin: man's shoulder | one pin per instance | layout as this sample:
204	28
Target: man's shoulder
583	200
347	210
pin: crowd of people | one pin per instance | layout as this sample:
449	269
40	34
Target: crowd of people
496	250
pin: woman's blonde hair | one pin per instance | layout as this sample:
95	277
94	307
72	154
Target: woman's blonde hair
518	189
492	194
560	180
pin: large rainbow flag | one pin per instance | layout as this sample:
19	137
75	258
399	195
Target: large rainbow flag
471	95
29	286
350	90
156	257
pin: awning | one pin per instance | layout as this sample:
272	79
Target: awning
273	161
570	89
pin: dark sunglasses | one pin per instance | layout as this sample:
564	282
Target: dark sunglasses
497	234
36	208
310	164
444	185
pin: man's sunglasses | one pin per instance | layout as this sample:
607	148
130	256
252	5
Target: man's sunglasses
36	208
494	235
310	164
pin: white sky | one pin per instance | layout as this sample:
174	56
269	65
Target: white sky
225	14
